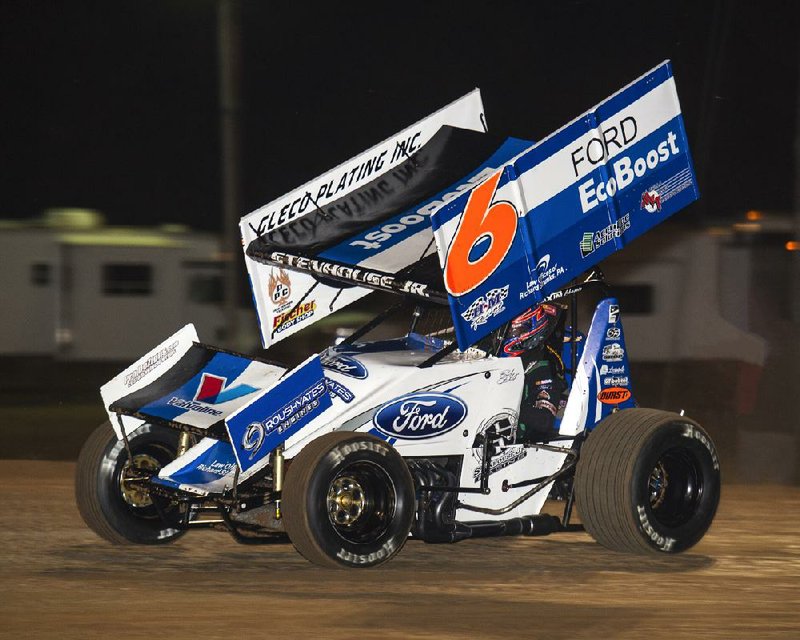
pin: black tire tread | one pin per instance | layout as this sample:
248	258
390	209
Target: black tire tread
86	473
604	473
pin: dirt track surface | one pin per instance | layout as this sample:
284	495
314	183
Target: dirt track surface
59	580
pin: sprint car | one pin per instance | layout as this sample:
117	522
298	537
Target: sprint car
377	440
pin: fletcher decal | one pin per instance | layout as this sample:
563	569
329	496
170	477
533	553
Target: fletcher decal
486	307
420	415
283	321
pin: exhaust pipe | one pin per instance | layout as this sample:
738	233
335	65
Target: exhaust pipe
539	525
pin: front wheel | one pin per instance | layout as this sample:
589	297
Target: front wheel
111	490
647	480
348	501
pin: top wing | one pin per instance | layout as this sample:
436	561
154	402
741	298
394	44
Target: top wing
564	204
289	301
379	235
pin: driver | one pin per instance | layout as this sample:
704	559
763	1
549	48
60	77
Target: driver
536	336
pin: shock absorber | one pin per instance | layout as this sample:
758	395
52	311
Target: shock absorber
277	478
184	442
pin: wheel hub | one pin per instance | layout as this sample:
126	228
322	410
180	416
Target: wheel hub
346	501
658	483
136	472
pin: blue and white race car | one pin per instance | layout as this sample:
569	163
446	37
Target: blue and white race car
490	400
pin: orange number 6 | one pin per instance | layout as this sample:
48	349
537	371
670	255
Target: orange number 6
497	223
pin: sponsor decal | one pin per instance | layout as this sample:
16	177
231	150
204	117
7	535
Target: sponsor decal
614	395
339	390
625	170
613	333
375	239
651	201
504	459
284	418
593	240
344	364
613	352
217	468
354	274
655	197
615	381
546	273
420	415
211	390
280	288
606	369
505	432
151	363
486	307
283	321
507	375
190	405
613	313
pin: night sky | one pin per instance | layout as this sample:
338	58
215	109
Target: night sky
113	105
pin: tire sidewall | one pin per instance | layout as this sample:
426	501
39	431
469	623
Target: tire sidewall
692	440
119	515
340	457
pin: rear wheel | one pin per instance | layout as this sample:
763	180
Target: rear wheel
348	501
647	480
111	489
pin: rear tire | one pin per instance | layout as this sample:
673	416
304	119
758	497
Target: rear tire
348	501
115	509
647	481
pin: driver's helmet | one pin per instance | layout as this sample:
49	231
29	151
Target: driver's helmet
530	329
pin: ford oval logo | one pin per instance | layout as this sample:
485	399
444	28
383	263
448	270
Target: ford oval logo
420	415
345	365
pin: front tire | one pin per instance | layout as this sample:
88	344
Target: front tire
348	501
114	507
647	481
